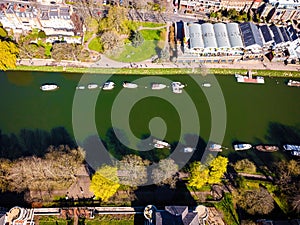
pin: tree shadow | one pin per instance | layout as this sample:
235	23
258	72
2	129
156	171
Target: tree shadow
33	142
283	134
160	196
11	199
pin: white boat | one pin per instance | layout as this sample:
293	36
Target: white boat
80	87
288	147
239	147
245	79
293	83
129	85
206	85
295	153
157	86
160	144
188	149
215	148
49	87
92	86
108	85
177	87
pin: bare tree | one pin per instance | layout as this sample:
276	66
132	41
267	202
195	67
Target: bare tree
133	171
165	173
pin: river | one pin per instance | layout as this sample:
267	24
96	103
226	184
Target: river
226	112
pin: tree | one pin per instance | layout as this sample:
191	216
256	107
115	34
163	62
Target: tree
296	203
211	174
245	165
42	34
56	169
111	41
133	171
105	182
198	175
165	173
3	32
8	55
4	172
287	174
257	201
137	39
217	168
115	21
65	51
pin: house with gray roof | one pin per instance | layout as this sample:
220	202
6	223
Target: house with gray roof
176	215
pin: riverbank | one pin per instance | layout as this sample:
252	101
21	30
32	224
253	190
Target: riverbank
204	70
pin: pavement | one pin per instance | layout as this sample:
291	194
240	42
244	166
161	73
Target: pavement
105	62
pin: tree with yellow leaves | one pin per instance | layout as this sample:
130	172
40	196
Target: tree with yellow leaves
105	182
217	168
8	55
211	174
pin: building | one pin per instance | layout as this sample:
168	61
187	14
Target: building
285	3
267	36
55	21
251	37
237	4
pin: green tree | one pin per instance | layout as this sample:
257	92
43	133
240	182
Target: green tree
42	34
105	182
245	165
165	173
137	39
8	55
257	201
115	20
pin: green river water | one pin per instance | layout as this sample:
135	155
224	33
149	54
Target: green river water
253	113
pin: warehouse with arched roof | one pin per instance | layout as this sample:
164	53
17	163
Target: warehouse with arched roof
234	35
195	33
208	35
221	36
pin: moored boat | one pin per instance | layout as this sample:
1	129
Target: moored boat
245	79
295	153
293	83
206	85
215	148
188	149
267	148
109	85
81	87
92	86
49	87
289	147
160	144
157	86
177	87
129	85
239	147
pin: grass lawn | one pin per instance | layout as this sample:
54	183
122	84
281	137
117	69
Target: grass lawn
148	49
95	45
141	53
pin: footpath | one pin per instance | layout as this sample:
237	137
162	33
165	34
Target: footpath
105	62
